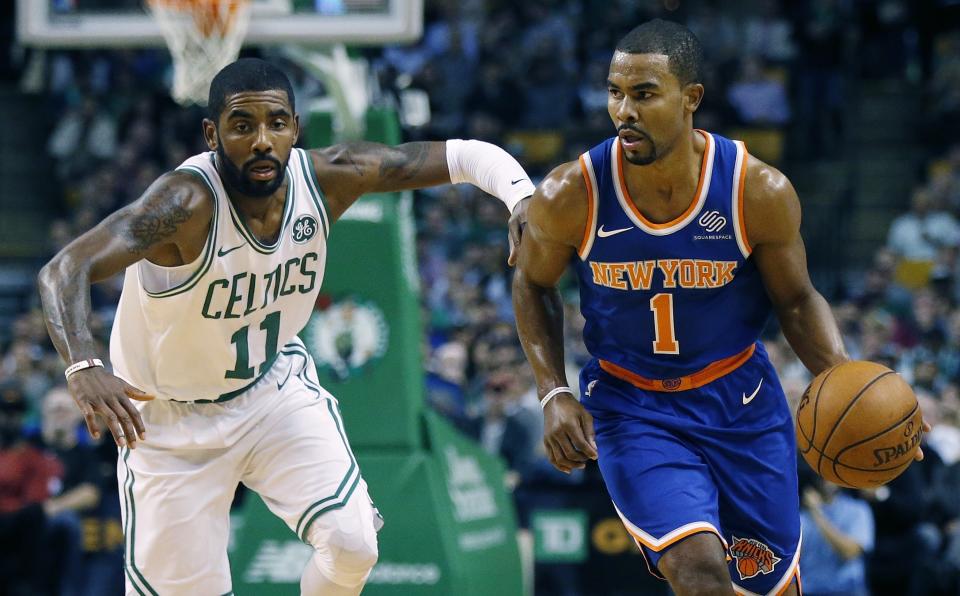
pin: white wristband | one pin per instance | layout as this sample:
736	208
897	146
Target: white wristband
83	364
553	393
489	168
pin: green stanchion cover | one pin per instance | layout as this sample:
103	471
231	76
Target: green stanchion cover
449	527
365	331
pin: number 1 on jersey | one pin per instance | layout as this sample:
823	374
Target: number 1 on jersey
665	336
240	339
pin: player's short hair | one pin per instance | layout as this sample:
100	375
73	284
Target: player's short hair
246	74
675	41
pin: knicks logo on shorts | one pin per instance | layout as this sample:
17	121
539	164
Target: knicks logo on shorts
753	557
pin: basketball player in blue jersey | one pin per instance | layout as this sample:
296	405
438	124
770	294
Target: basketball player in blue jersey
682	244
223	261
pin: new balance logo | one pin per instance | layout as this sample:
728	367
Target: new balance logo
712	221
607	233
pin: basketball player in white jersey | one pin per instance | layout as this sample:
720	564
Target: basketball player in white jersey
224	258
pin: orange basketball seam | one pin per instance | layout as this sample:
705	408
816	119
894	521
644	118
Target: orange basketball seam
830	459
816	405
846	410
888	429
836	460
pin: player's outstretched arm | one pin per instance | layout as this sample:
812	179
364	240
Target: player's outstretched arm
557	217
167	225
349	170
772	218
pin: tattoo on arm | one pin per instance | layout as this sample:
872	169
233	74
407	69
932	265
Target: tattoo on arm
347	155
404	162
159	219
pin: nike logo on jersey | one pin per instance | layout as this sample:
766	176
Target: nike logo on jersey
223	253
512	182
279	384
746	399
607	233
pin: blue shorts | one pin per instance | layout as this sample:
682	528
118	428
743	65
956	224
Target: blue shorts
720	458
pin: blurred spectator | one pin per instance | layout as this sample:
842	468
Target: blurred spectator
818	27
901	547
838	533
757	97
769	34
510	427
919	234
82	137
32	553
77	492
446	380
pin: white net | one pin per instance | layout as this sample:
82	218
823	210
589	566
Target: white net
203	37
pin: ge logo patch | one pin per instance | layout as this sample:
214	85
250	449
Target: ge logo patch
304	229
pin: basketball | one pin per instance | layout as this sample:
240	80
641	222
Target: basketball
858	424
748	567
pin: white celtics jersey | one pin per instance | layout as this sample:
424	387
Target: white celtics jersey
209	329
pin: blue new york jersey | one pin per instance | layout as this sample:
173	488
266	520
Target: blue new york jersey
667	300
693	431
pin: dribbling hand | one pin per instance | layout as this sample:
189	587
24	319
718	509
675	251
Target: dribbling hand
99	393
568	434
518	219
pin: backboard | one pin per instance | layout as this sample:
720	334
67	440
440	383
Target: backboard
127	23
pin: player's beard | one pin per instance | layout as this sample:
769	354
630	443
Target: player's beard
238	179
642	159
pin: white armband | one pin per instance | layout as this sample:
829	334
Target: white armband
553	393
489	168
82	365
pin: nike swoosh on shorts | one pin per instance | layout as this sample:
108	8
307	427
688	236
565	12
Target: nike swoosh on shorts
746	399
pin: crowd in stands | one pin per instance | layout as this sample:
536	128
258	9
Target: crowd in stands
531	77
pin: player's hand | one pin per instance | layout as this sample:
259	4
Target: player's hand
918	456
99	393
518	219
568	433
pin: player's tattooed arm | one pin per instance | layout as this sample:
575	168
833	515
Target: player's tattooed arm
168	220
156	221
349	170
167	225
557	217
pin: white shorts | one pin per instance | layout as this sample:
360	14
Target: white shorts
283	438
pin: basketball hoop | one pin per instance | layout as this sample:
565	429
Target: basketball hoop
203	37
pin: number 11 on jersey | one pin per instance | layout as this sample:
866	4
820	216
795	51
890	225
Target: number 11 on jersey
665	336
242	369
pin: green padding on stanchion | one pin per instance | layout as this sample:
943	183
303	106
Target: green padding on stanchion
319	130
449	527
476	515
365	332
383	126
